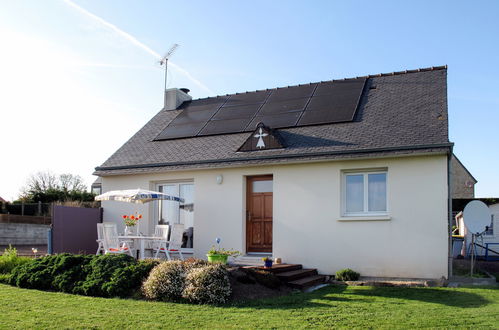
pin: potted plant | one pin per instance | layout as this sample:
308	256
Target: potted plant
267	262
220	255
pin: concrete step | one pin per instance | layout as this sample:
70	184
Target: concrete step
280	268
308	281
296	274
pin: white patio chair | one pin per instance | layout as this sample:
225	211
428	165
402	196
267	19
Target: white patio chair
175	243
111	242
100	238
161	231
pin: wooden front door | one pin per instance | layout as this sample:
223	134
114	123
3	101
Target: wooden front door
259	214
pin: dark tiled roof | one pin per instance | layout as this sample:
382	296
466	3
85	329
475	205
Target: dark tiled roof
401	112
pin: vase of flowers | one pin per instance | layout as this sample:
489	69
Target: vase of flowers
267	262
130	222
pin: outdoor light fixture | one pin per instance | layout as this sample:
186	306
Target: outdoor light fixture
220	179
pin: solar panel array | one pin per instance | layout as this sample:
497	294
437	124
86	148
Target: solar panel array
313	104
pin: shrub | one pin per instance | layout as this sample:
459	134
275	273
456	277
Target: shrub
9	260
99	272
347	275
57	272
125	281
166	281
208	285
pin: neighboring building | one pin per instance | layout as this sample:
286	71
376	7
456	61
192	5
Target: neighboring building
491	235
2	200
344	173
96	187
463	183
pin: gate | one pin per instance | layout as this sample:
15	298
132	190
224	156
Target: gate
74	229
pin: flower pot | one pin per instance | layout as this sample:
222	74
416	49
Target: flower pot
217	258
128	230
268	263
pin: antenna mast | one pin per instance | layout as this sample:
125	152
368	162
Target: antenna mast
165	58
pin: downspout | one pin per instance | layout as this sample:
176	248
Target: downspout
449	211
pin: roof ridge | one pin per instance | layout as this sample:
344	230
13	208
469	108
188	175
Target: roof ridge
394	73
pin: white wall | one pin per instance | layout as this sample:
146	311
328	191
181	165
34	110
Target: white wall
307	227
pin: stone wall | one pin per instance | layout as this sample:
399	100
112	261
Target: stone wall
23	234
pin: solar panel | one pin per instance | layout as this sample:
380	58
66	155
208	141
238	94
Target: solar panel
293	92
180	131
284	106
248	98
312	104
333	102
275	121
242	111
224	126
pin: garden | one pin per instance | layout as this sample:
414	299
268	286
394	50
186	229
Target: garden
115	291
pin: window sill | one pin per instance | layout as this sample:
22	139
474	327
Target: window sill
366	218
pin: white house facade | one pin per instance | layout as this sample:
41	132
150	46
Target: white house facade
368	192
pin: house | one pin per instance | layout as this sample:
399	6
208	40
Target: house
342	173
490	236
463	182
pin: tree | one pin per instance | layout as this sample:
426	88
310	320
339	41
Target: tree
46	187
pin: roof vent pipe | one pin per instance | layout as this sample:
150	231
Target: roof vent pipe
174	97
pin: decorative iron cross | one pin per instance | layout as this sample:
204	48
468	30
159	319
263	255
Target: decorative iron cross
260	144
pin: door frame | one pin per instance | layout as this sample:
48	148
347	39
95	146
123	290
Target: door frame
249	180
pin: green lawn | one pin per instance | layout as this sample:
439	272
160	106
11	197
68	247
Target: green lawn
328	307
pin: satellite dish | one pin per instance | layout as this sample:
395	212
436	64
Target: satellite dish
476	216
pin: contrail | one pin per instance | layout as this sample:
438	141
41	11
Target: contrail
136	42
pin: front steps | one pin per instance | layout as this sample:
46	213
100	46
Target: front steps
295	275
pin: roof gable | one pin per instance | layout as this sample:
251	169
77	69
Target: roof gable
262	138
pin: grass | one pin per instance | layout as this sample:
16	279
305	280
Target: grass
329	307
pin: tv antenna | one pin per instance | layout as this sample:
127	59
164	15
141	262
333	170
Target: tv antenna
165	59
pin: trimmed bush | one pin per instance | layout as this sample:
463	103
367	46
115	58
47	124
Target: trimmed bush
99	272
347	275
208	285
166	281
125	281
9	260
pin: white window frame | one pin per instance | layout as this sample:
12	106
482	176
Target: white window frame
157	209
366	212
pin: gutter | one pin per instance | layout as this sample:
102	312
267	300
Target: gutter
449	212
285	156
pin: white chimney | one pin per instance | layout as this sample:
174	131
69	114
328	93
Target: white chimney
174	97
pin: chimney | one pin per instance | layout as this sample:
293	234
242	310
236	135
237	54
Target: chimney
174	97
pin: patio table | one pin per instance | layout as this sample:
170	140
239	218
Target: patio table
141	240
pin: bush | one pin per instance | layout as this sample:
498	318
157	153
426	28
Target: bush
166	281
103	276
99	272
347	275
208	285
9	260
57	272
125	281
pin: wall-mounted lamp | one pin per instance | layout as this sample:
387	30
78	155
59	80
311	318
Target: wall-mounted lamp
220	179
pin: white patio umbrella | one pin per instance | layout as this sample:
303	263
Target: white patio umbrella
138	196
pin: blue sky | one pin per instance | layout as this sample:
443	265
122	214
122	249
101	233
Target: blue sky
79	78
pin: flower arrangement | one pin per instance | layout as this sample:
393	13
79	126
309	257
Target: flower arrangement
131	220
222	251
267	262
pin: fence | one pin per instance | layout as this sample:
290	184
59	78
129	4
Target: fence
74	229
29	209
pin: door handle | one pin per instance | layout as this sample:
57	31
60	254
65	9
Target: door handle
248	215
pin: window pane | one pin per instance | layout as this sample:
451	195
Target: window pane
262	186
187	208
377	192
169	209
354	193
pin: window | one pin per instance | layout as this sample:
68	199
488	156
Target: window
170	212
490	229
364	193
